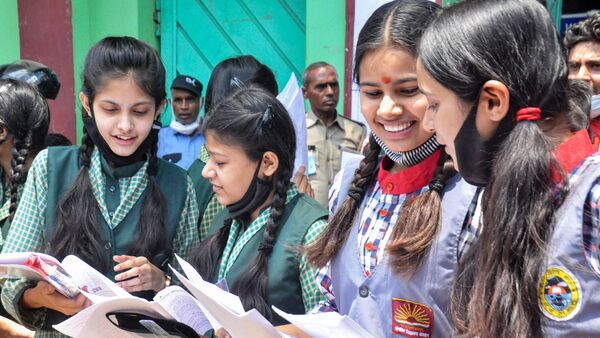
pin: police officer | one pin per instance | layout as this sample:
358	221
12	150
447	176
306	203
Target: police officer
328	132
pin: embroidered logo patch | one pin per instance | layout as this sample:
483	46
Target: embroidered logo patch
560	294
411	319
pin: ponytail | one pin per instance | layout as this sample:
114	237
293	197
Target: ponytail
498	285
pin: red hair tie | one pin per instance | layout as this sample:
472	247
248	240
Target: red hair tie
529	114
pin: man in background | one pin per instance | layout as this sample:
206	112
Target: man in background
181	141
582	42
328	132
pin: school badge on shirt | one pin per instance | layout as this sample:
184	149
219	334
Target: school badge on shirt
560	294
411	319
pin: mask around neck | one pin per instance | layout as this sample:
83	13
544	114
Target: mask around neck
255	196
118	161
474	155
595	111
185	129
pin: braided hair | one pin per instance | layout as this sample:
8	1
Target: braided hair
25	115
398	24
235	123
75	230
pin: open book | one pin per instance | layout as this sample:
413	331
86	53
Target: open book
69	277
73	276
172	303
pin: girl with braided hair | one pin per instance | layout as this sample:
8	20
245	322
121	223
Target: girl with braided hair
104	201
498	97
253	243
390	248
24	120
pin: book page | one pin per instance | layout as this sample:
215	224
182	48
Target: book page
226	310
92	322
184	308
92	281
326	325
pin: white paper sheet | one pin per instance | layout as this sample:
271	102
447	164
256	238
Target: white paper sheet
92	281
292	99
227	311
326	325
184	308
170	303
348	158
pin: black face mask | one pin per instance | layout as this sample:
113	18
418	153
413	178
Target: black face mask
255	196
116	160
474	155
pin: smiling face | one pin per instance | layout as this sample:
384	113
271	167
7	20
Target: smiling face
124	114
229	170
390	99
445	113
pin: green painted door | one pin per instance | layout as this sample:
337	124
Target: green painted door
195	35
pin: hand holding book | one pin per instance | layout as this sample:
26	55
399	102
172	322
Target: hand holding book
45	295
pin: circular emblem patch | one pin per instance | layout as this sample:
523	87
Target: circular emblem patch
560	294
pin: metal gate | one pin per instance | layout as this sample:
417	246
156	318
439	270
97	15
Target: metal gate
196	34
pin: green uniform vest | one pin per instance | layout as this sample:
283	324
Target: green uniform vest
284	289
202	186
63	167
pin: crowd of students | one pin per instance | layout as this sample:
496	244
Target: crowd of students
473	213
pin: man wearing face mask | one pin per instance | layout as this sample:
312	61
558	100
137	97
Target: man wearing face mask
180	142
583	45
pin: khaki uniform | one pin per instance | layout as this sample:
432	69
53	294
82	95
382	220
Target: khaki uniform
327	142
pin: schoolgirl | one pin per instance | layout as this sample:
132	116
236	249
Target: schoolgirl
227	76
253	243
24	120
105	200
389	252
498	99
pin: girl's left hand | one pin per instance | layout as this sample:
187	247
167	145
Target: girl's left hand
140	275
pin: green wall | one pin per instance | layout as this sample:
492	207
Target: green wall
449	2
325	37
9	31
92	20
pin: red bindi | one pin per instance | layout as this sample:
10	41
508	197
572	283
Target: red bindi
386	79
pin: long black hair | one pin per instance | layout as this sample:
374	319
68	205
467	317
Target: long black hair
398	24
232	73
238	120
496	290
75	229
25	115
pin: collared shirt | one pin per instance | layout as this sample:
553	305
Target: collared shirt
5	209
29	221
238	238
327	143
383	203
213	207
178	148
